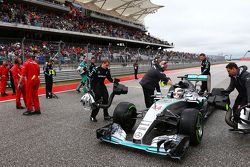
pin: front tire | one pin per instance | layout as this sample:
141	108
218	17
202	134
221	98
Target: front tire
125	115
191	124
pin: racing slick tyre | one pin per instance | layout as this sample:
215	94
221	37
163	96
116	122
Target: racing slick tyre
191	124
125	115
228	119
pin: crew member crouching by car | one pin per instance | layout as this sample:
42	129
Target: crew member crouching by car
240	79
151	80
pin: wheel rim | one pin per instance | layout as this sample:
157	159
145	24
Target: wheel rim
199	127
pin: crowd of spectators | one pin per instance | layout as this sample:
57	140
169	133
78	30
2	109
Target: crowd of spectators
179	57
67	51
73	53
13	11
19	12
41	50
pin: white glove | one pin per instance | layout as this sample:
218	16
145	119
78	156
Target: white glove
158	93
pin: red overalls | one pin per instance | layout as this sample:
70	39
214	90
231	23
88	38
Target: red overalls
31	71
4	74
16	73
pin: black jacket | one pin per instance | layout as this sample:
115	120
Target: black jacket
99	76
152	77
205	67
241	82
92	69
47	70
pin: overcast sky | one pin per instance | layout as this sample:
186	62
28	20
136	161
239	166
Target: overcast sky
210	26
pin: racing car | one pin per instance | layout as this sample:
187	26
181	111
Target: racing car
168	127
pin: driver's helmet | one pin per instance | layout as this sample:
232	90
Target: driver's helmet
178	93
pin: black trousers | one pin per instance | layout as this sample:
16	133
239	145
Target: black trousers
48	85
12	84
149	100
135	73
204	86
239	101
101	93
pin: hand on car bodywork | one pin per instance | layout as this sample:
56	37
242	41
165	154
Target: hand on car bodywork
116	80
171	82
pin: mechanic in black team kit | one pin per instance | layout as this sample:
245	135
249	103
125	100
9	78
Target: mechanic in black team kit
156	65
205	70
100	90
150	81
92	65
240	79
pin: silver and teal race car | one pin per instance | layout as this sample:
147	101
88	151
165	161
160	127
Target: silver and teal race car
168	127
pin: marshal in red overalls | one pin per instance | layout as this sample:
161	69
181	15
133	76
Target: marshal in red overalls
31	71
16	73
4	75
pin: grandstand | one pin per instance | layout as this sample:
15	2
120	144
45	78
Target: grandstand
69	30
109	24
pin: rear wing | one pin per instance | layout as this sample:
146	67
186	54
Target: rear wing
194	77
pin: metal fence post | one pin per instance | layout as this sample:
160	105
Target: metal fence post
88	50
23	48
60	56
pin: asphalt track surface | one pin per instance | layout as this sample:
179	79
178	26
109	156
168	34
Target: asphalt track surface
64	136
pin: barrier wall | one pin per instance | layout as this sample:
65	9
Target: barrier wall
69	75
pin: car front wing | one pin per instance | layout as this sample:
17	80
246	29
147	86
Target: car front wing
170	145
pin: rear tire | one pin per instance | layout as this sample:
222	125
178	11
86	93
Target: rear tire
125	115
191	124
